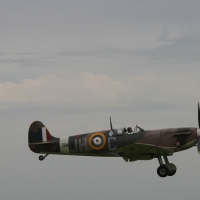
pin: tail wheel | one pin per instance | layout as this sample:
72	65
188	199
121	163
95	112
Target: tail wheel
163	171
41	158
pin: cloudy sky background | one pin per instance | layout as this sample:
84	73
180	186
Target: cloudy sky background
72	64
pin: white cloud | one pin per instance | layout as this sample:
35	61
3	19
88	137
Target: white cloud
85	87
90	89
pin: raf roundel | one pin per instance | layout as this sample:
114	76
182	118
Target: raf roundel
97	141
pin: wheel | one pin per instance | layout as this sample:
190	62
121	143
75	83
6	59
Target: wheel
172	167
172	173
41	158
163	171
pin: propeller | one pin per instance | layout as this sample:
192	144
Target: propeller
198	131
198	115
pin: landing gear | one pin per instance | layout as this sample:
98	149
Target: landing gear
167	169
172	173
41	158
163	171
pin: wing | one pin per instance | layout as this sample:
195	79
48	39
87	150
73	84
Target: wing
139	151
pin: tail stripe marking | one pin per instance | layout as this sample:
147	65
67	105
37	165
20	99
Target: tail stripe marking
44	134
48	135
40	134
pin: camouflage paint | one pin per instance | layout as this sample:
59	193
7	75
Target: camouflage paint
143	145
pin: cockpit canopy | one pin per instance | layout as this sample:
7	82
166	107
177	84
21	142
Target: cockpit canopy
122	131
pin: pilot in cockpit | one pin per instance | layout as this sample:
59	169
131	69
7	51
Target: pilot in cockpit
129	130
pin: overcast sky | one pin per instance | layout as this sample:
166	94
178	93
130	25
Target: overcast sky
72	65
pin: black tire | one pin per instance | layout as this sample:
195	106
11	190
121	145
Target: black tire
41	158
172	173
163	171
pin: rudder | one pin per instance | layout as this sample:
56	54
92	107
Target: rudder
38	133
40	139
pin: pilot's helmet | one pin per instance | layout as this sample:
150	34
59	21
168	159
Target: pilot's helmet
129	129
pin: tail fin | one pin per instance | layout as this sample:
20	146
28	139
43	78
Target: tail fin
40	140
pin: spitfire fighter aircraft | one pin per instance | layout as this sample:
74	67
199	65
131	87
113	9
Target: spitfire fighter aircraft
131	145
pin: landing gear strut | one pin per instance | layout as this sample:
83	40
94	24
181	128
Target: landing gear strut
41	158
167	169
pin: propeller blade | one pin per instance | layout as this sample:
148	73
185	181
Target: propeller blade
198	145
198	140
198	115
198	131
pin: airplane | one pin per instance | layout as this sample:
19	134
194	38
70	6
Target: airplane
131	145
